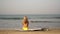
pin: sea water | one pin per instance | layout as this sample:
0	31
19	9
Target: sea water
35	21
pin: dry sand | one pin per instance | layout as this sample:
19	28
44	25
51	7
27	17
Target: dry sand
54	31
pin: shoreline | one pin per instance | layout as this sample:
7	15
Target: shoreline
53	31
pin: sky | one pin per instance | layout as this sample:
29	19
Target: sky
29	6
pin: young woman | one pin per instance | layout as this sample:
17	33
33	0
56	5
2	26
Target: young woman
25	23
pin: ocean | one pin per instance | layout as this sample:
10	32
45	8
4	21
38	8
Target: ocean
35	21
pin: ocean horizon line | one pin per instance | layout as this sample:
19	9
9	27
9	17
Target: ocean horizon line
29	14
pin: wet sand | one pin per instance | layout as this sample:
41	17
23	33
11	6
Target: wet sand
54	31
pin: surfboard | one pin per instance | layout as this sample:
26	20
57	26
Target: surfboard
32	29
39	29
36	29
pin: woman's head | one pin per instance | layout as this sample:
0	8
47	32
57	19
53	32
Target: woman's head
25	17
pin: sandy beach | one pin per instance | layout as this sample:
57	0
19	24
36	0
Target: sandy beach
54	31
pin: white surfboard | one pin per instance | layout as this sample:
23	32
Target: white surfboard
36	29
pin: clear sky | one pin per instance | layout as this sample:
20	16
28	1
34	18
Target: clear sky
29	6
